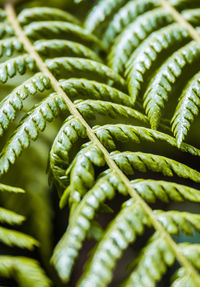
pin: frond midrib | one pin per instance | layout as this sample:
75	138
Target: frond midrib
180	19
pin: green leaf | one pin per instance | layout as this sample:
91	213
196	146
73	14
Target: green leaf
176	221
126	15
64	48
16	238
110	135
29	129
6	30
67	249
151	190
10	217
134	34
60	30
143	162
19	65
151	264
27	272
150	52
187	109
14	102
101	13
67	67
85	89
123	230
90	109
10	46
160	86
192	15
43	14
71	132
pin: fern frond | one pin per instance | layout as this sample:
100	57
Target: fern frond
86	89
153	262
139	67
29	129
67	67
128	161
60	30
73	134
10	217
44	14
165	191
105	188
192	15
12	189
27	272
18	65
181	278
12	238
157	256
90	109
6	30
14	101
101	13
191	252
69	134
128	224
16	238
176	221
68	259
82	174
126	15
104	12
85	166
134	34
109	135
80	222
187	109
160	85
9	46
55	48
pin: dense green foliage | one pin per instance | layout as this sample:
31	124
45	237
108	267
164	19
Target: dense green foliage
100	141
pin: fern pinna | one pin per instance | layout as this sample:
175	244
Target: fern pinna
119	80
